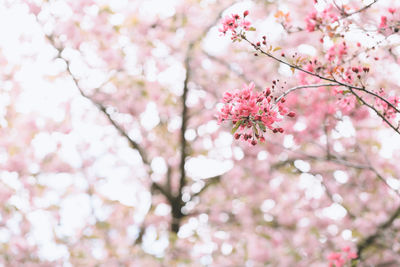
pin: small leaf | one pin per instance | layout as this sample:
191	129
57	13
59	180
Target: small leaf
234	129
252	29
262	126
292	69
277	48
359	101
345	92
255	130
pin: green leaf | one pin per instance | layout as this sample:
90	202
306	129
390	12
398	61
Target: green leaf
345	92
277	48
262	126
255	130
252	29
238	123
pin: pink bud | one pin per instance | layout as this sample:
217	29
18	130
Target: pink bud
245	13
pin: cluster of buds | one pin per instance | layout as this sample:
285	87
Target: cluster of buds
351	73
252	113
236	24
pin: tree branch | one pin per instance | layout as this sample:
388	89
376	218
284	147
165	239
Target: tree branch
208	183
346	15
370	240
396	129
97	104
303	87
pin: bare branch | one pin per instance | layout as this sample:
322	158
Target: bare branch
370	240
346	15
303	87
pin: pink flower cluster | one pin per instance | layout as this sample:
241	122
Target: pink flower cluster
336	51
314	20
235	24
389	23
339	259
252	113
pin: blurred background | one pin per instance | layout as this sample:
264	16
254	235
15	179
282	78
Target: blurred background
111	154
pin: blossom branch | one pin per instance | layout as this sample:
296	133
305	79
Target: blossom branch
396	129
338	83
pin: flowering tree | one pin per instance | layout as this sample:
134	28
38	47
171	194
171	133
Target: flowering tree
125	142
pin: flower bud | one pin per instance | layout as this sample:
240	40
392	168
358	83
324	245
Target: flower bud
245	13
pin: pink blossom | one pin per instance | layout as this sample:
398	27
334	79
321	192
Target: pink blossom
339	259
311	21
383	23
228	23
235	24
245	24
33	8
